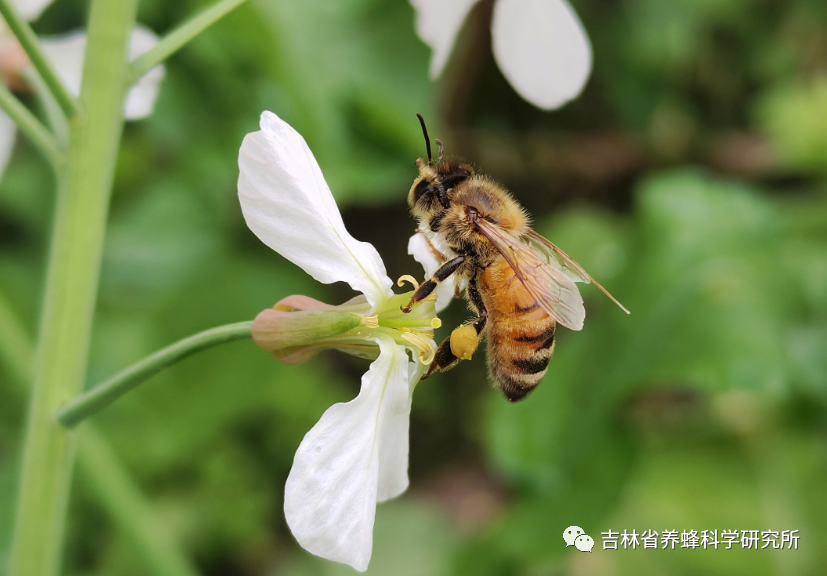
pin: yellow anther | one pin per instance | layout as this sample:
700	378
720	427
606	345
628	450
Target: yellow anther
436	323
408	278
430	297
370	321
425	346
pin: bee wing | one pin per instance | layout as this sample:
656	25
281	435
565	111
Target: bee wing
566	264
553	290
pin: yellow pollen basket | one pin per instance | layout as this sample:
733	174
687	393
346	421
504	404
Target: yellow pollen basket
464	341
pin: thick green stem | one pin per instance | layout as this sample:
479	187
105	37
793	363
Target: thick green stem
71	288
104	394
30	126
105	477
180	36
30	44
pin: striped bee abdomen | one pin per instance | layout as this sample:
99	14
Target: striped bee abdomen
520	334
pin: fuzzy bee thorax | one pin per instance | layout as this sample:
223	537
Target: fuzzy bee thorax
493	203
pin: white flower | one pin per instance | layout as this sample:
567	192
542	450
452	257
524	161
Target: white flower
540	45
357	454
420	249
31	9
66	54
7	131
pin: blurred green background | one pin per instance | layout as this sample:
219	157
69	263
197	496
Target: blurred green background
690	178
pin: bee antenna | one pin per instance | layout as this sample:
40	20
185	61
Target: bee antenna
427	139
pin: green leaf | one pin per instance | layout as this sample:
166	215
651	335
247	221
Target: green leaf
794	114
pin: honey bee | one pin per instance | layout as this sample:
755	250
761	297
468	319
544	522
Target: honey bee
519	285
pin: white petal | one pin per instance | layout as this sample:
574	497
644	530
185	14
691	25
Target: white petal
31	9
8	130
418	248
288	205
140	100
67	52
438	22
393	448
542	49
356	455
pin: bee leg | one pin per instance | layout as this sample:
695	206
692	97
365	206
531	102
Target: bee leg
460	345
429	285
444	359
475	297
463	341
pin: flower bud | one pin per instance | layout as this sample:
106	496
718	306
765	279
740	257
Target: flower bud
298	324
13	61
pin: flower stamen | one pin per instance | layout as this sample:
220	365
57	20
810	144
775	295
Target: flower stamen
427	332
425	346
408	278
370	321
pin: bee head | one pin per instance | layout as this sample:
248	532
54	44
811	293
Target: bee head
433	187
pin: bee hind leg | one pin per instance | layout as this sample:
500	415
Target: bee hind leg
460	345
444	359
425	289
463	341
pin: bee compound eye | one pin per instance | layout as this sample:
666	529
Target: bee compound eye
420	189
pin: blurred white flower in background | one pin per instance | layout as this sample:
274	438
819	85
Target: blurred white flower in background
31	9
357	454
66	54
539	45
